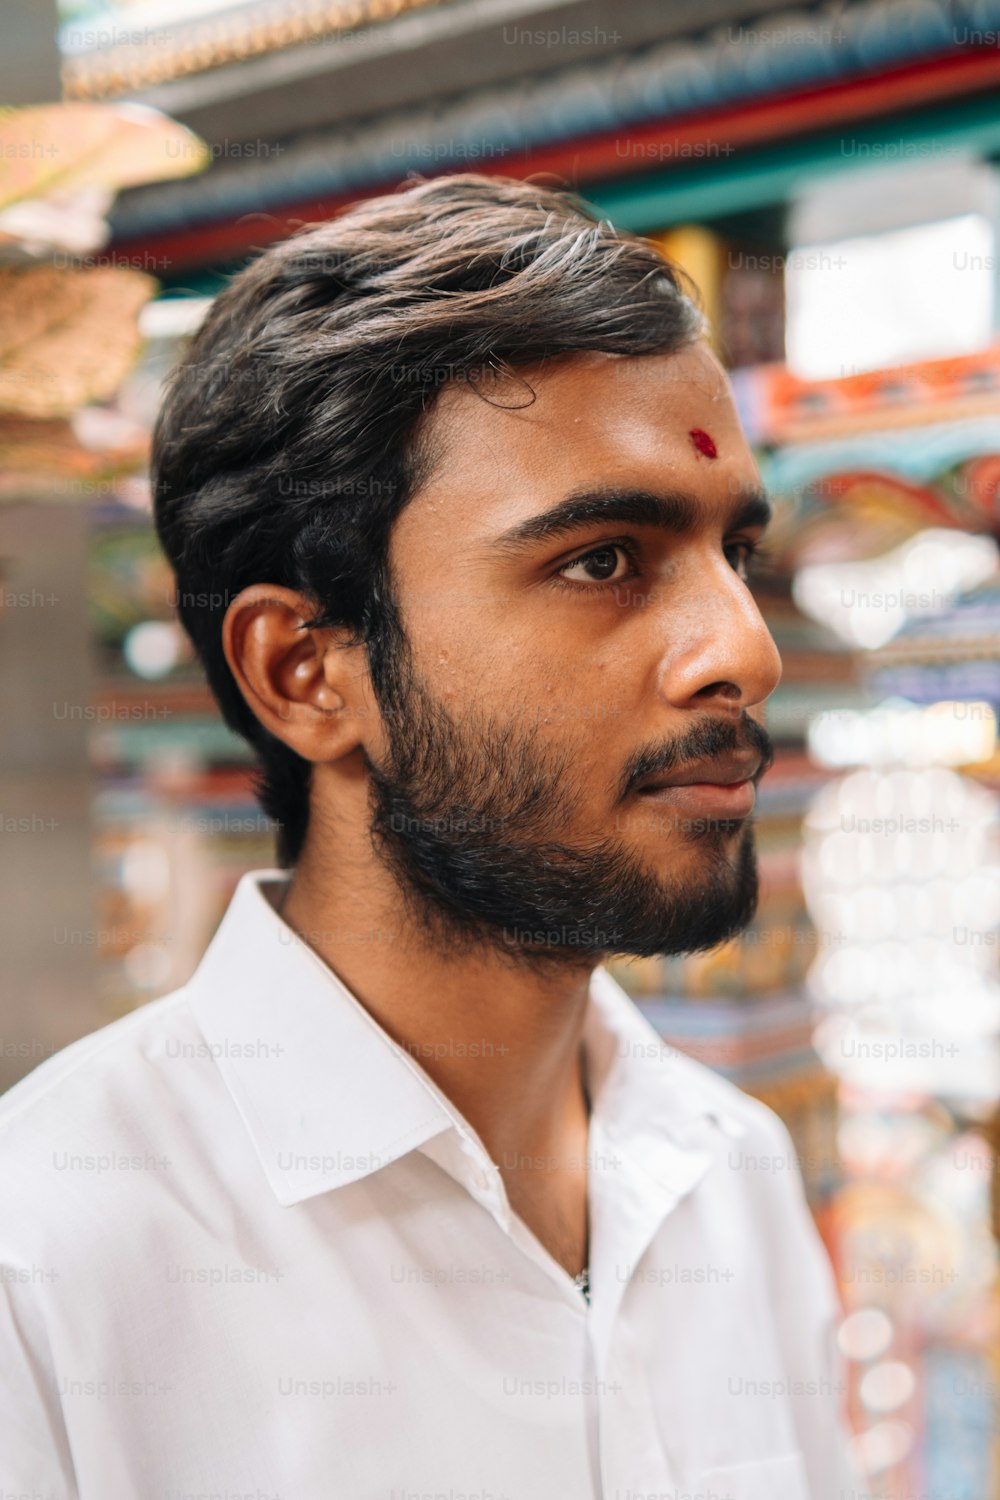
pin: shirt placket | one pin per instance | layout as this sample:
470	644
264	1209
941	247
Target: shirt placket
633	1189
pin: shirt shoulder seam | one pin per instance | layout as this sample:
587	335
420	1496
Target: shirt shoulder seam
40	1082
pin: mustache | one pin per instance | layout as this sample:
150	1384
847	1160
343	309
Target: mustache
707	739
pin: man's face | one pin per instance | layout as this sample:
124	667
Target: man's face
569	582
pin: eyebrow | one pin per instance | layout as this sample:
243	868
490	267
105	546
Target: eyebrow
676	511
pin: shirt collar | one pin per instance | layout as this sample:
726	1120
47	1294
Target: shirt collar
327	1096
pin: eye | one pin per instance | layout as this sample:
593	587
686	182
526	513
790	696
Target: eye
609	563
743	566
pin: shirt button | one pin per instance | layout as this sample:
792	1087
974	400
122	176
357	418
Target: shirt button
482	1180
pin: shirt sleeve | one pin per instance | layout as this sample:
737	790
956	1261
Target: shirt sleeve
34	1447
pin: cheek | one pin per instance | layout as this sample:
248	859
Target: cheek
547	689
553	671
584	703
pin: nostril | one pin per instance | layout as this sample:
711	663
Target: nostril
720	690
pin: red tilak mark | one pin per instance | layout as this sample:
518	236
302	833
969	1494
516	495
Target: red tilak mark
703	443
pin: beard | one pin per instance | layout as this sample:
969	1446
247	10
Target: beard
472	820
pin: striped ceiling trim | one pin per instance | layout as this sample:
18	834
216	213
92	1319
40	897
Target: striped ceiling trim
230	213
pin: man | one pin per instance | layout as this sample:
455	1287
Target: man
401	1195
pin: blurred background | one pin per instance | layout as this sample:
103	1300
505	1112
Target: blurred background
830	176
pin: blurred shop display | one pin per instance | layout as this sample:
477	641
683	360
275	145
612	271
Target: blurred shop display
108	48
176	820
68	316
69	335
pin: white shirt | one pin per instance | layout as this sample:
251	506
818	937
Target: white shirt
249	1249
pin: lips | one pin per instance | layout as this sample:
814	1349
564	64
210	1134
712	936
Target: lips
727	770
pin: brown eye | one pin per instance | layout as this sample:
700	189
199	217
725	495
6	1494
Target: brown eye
745	553
599	566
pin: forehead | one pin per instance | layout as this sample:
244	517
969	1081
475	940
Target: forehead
595	418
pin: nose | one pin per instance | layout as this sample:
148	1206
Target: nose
720	655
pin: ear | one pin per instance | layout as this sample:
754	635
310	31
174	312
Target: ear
309	688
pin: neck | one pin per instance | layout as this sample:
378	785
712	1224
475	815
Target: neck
503	1043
